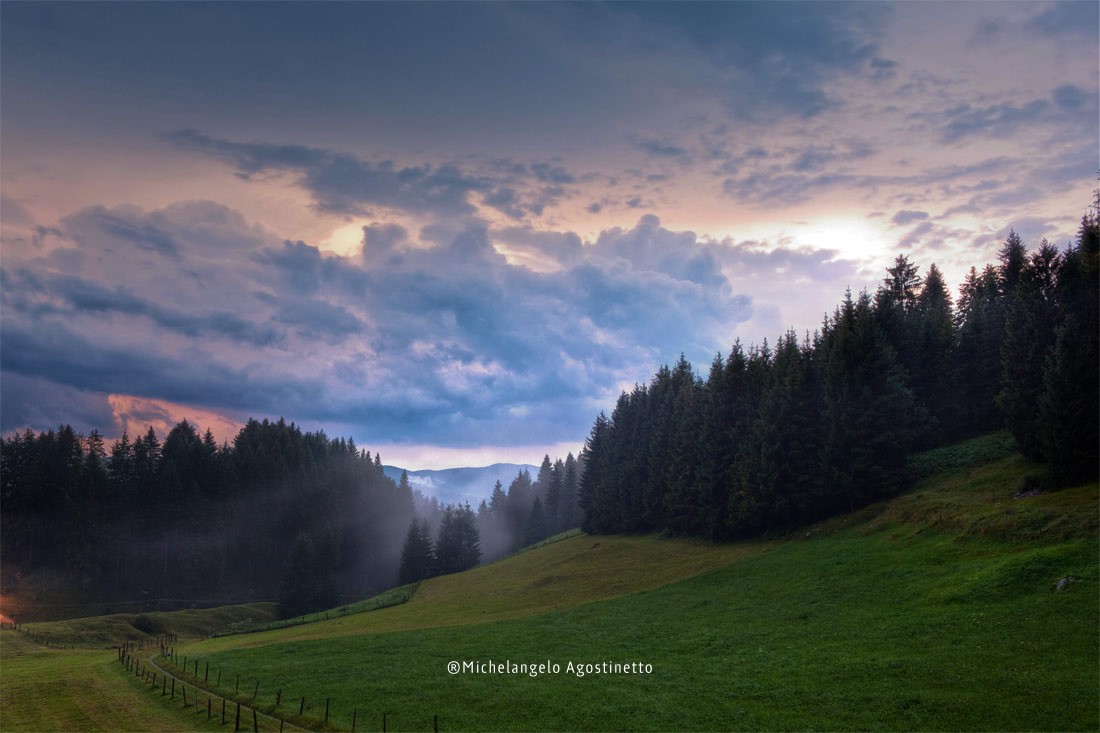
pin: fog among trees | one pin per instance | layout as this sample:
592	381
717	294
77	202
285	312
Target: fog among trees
775	435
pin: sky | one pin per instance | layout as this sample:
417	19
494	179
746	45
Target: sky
455	232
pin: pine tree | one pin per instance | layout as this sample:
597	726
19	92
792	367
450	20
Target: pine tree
1070	404
298	587
542	483
932	380
555	498
458	544
1069	413
895	307
537	524
570	515
977	364
417	557
518	506
593	498
1030	325
497	501
682	462
1013	259
780	461
869	413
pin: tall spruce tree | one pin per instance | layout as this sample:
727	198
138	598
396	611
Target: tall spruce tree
932	380
594	501
869	412
1030	325
977	364
458	544
417	556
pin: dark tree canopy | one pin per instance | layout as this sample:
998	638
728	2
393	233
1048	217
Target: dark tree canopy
187	518
774	438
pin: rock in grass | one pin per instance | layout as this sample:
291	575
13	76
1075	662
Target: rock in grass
1064	582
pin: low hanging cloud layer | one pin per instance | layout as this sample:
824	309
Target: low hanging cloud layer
410	342
469	225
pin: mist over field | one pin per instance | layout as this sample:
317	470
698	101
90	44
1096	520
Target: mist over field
395	361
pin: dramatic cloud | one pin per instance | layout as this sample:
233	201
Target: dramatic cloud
471	224
775	63
447	342
342	184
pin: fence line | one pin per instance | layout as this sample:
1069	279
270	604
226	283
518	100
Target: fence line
166	691
185	664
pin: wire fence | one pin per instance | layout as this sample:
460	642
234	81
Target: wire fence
219	694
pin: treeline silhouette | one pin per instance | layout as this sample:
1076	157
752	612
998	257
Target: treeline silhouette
775	437
187	518
527	513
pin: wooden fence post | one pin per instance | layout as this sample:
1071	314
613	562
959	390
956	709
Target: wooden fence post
237	725
302	707
237	684
326	709
206	675
435	723
383	723
208	708
255	723
257	690
354	715
223	711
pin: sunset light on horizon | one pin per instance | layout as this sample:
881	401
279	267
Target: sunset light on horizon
455	231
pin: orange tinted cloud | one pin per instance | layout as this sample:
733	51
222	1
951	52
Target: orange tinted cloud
135	415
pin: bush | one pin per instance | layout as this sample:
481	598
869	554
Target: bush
146	623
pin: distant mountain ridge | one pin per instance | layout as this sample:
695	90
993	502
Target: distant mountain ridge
462	484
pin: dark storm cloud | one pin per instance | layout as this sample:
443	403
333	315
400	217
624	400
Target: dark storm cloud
343	184
780	57
316	319
44	404
437	339
1067	107
56	352
49	295
998	120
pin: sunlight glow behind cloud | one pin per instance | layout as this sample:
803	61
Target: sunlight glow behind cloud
465	227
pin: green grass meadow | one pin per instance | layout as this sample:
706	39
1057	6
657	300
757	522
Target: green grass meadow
935	610
81	690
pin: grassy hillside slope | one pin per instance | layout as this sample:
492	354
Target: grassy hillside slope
577	570
936	610
80	690
110	630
